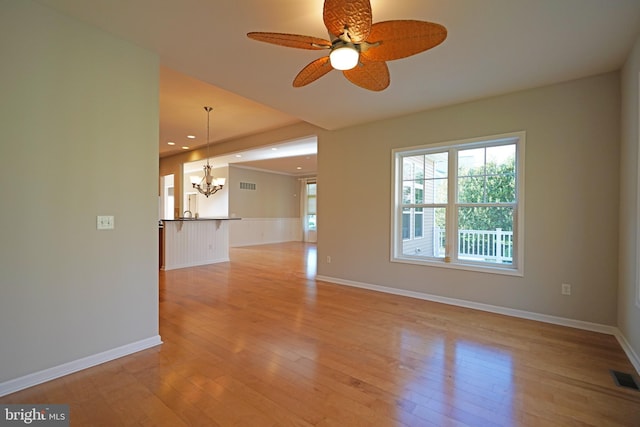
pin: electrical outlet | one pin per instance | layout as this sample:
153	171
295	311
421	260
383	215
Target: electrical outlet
105	222
565	289
328	259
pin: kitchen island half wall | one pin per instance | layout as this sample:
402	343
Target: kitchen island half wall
191	242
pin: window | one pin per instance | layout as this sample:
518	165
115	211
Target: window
311	205
459	204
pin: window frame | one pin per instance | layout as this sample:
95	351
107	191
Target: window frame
452	205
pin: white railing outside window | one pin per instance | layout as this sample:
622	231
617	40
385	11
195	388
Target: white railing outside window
480	245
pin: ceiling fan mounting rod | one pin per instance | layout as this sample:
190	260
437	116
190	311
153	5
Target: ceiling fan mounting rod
345	37
338	43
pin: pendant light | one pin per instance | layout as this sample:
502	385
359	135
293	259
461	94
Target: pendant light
208	185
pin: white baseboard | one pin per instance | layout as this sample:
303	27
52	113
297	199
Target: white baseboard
261	242
632	355
195	263
49	374
579	324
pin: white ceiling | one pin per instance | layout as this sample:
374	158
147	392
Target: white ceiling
493	47
182	101
292	158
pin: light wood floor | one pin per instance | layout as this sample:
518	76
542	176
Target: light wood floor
259	342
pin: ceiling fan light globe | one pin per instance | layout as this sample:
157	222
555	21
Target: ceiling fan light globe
344	57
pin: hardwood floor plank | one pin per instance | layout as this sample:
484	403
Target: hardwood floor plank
259	342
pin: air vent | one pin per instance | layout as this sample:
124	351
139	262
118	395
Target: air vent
247	186
623	379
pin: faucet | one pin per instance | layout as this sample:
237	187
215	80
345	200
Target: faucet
184	214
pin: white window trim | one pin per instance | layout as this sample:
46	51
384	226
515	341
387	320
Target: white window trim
396	216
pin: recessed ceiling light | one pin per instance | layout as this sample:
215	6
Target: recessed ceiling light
191	136
184	147
274	148
238	155
171	143
299	168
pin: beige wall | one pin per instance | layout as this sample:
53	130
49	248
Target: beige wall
571	209
79	119
275	196
270	213
628	309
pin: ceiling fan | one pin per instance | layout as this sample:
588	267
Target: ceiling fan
358	47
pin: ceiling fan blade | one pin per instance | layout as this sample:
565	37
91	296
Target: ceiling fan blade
369	75
355	15
291	40
312	72
399	39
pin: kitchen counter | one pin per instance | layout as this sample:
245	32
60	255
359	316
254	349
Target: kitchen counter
189	242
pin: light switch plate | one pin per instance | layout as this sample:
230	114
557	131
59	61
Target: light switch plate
106	222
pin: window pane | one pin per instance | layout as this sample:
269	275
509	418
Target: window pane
431	242
501	188
425	177
436	190
471	189
486	234
471	162
413	168
487	175
412	192
311	205
502	154
437	165
311	189
437	172
419	195
406	224
311	222
418	222
407	194
501	174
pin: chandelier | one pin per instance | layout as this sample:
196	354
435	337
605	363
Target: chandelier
208	185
